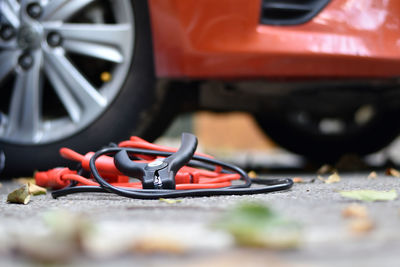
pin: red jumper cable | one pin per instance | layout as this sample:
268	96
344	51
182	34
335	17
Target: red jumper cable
162	172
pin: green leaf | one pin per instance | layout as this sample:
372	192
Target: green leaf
170	201
19	196
370	195
255	225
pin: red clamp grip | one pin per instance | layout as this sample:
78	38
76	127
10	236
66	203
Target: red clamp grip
53	178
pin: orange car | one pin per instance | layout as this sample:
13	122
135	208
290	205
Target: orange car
320	76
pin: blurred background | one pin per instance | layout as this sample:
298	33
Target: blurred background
236	137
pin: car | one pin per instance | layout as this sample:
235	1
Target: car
321	77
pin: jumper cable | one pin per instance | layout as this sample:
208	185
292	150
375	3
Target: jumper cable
162	172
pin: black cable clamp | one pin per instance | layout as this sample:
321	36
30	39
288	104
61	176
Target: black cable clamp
158	177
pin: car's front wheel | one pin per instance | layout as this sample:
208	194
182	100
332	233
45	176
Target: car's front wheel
76	73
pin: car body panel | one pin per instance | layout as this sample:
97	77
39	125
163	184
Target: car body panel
224	39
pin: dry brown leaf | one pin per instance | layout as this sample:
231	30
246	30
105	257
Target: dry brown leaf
36	190
252	174
373	175
19	196
333	178
360	223
45	249
361	226
158	245
298	180
326	168
1	185
392	172
355	211
63	241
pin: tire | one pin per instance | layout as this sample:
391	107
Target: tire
320	147
119	118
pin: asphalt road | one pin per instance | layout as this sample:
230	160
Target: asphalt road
183	234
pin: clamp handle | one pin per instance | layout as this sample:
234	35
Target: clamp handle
184	154
137	170
161	175
177	160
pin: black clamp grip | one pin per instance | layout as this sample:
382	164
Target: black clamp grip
159	174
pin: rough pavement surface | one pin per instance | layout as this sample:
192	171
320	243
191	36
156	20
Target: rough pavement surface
326	237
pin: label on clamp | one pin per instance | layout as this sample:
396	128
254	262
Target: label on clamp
157	182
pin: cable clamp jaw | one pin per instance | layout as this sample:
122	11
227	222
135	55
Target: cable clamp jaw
160	173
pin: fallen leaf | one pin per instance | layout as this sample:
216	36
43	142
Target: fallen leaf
255	225
355	211
46	250
252	174
298	180
157	244
361	226
370	195
326	168
36	190
301	180
392	172
1	185
333	178
170	201
372	175
19	196
62	242
25	180
68	225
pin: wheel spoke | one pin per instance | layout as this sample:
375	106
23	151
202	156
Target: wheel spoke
9	10
94	50
13	4
8	60
10	45
63	9
64	94
24	115
102	41
69	83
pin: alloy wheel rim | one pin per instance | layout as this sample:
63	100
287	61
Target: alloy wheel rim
42	47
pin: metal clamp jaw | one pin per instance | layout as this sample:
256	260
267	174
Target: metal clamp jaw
159	174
